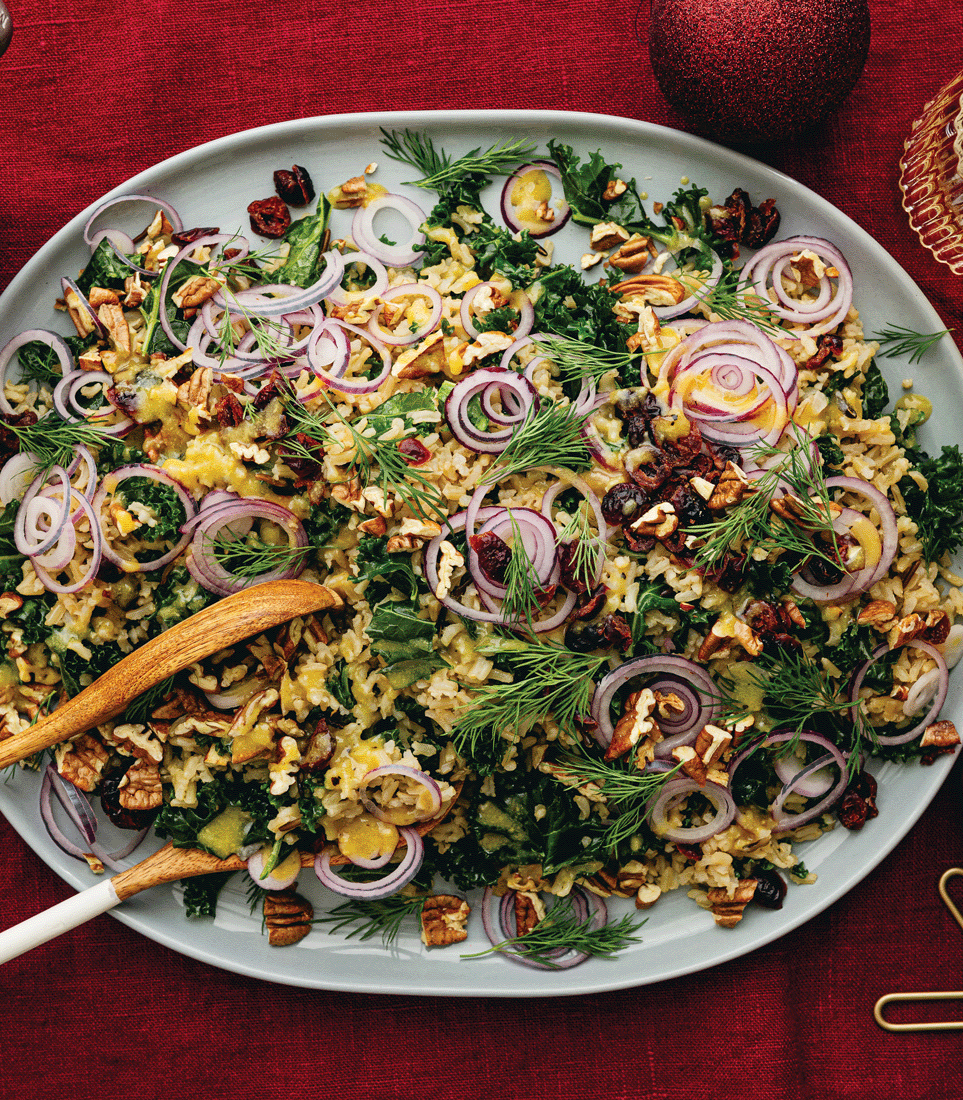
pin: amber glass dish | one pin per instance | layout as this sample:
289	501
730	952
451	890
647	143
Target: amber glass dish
930	175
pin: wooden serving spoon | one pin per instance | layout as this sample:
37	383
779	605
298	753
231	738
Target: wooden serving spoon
223	624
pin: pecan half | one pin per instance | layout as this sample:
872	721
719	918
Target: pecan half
443	919
287	916
728	910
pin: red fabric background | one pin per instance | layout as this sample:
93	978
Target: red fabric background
92	94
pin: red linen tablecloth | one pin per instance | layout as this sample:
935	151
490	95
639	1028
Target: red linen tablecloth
92	94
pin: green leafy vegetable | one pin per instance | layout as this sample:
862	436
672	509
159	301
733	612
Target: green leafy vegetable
938	509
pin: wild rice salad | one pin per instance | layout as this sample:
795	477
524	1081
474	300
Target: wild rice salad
639	568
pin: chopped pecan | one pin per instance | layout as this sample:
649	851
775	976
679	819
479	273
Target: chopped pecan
636	727
287	916
660	290
443	919
933	627
376	527
732	486
141	789
647	895
940	735
691	764
195	291
876	613
632	256
658	522
351	193
606	235
528	911
613	189
10	602
100	296
728	910
84	762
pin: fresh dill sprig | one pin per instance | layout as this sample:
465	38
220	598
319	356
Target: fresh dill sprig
439	171
253	557
394	473
586	553
577	360
139	709
751	524
521	581
548	680
897	340
802	696
549	436
731	299
54	441
627	790
373	918
561	930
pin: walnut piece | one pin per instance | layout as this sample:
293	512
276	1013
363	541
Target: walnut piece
443	920
940	734
728	910
83	762
287	916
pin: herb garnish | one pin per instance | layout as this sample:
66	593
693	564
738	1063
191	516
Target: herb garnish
384	917
560	930
732	300
578	360
901	340
440	172
750	524
548	679
55	441
551	435
394	474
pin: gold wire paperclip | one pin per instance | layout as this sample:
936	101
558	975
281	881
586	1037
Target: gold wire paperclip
957	995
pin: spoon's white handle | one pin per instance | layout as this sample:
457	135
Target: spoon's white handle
58	919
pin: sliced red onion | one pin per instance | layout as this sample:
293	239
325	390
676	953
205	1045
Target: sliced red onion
82	816
384	887
280	299
367	239
321	339
17	475
665	673
211	522
518	399
821	313
82	304
342	297
32	335
688	303
498	919
189	249
159	204
407	290
833	756
561	208
43	565
852	585
674	791
936	701
270	881
30	534
816	781
108	486
432	809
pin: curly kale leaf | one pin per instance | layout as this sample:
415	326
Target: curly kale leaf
201	893
938	509
875	393
683	227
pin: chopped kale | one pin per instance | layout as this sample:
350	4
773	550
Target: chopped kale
201	893
937	510
875	393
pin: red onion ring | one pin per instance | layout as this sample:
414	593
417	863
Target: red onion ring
486	382
42	565
342	297
172	216
365	237
689	681
56	343
402	291
107	487
203	531
936	703
498	919
338	381
270	881
404	772
287	298
674	791
384	887
822	313
562	209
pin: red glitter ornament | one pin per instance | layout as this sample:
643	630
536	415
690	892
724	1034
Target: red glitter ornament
760	71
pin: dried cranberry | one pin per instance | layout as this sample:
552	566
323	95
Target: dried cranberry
829	345
188	236
494	554
295	186
618	633
763	224
568	568
415	452
690	851
269	217
858	804
728	574
583	637
229	412
120	815
623	502
651	476
589	604
296	457
770	889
